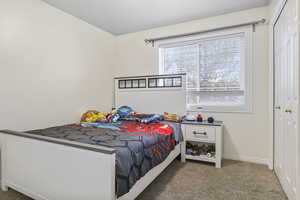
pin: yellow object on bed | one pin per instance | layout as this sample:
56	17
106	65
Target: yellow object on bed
93	116
171	117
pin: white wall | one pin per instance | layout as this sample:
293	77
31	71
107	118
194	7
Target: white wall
247	136
53	66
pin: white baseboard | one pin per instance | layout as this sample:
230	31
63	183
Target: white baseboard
262	161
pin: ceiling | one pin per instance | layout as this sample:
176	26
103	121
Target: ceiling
125	16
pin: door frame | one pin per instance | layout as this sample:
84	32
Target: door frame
298	63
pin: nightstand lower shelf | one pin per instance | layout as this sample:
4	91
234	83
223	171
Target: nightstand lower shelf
201	158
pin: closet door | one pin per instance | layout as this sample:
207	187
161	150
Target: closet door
286	99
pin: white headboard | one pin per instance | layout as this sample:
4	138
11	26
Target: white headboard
152	94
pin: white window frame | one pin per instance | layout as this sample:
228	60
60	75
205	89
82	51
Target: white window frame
247	31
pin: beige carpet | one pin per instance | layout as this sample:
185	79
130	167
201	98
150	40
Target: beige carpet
199	181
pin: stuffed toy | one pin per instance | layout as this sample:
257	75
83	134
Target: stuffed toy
122	112
93	116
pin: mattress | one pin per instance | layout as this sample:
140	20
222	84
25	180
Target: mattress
139	147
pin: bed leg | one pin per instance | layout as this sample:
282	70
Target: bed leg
4	188
182	149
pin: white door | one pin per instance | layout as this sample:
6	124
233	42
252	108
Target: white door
286	98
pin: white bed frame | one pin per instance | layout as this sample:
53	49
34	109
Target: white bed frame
46	168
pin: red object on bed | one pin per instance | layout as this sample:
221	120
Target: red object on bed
135	127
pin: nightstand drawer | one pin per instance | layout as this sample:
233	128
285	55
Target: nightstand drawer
200	133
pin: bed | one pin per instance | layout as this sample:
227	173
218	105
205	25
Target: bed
73	162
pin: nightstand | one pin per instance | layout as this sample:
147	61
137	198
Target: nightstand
203	135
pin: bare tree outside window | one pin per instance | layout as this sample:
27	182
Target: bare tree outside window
214	67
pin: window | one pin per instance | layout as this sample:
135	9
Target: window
218	71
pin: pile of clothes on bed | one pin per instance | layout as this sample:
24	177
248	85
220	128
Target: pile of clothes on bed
98	119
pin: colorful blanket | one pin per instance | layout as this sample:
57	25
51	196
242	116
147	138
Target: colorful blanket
139	147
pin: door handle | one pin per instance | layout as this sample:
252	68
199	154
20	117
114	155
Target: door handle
277	107
288	111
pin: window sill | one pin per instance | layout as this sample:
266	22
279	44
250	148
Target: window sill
220	111
223	110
